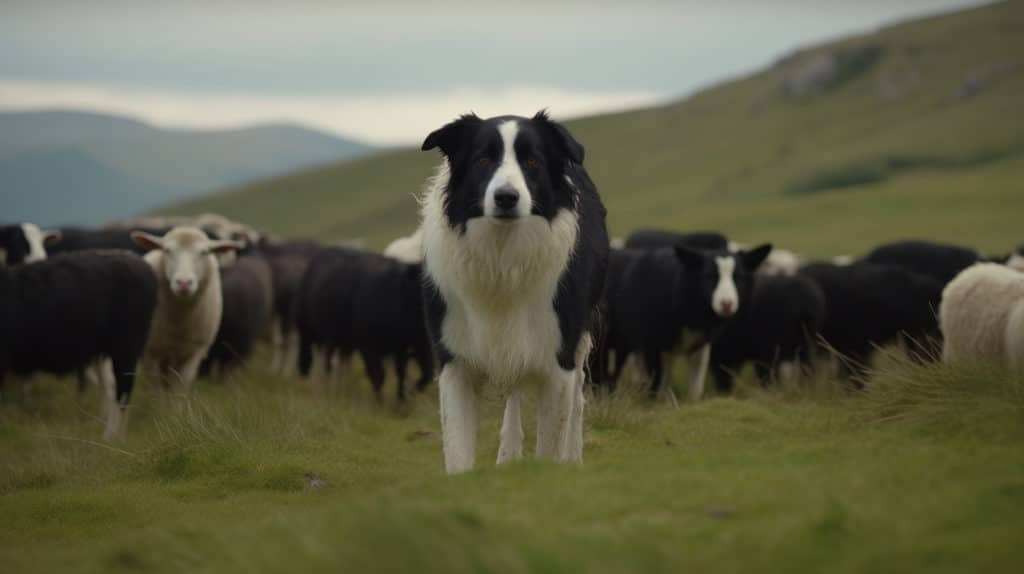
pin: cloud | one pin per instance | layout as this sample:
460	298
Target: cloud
381	119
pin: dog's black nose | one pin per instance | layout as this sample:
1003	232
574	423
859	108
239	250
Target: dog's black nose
506	198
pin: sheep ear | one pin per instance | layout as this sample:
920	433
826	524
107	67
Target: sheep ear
451	136
224	246
689	257
51	236
147	241
753	258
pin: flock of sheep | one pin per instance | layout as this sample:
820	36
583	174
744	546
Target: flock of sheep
184	297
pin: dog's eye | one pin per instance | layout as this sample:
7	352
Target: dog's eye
483	161
531	162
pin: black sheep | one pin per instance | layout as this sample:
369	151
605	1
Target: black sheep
82	239
869	305
780	325
71	312
247	295
24	243
939	261
288	260
657	238
356	301
655	297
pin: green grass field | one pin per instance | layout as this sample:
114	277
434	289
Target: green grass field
923	471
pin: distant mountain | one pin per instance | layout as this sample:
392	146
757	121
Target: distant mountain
85	168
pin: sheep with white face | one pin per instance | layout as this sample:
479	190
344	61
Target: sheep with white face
189	304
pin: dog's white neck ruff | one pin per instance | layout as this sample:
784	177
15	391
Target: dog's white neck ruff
499	281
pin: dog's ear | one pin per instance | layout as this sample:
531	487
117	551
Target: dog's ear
572	148
451	136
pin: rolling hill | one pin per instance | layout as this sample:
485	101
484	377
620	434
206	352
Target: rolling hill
913	130
78	167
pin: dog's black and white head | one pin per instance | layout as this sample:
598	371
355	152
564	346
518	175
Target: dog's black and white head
506	168
24	243
722	278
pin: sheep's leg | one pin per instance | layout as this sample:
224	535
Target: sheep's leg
458	418
653	365
324	369
165	373
788	372
666	380
724	380
277	342
425	359
188	372
341	366
554	413
305	354
621	356
511	446
111	408
117	373
291	353
1015	338
698	372
401	362
764	374
87	377
375	371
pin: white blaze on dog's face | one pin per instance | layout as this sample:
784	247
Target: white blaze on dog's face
188	257
507	196
507	168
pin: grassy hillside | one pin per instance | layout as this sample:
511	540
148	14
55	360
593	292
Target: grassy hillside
924	472
918	134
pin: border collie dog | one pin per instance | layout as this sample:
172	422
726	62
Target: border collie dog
515	252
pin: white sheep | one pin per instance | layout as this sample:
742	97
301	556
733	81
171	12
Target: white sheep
982	315
843	260
407	249
189	303
1016	259
779	262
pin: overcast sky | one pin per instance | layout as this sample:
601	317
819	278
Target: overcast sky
389	72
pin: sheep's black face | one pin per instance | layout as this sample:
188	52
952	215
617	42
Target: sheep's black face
24	243
506	168
723	279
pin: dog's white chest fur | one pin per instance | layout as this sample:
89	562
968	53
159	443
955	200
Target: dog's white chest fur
499	282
